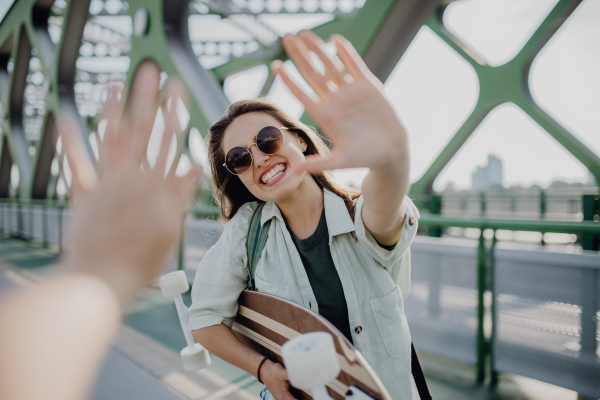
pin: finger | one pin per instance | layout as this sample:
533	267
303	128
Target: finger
351	59
300	56
309	104
187	184
333	66
175	163
165	142
112	115
83	174
142	108
314	164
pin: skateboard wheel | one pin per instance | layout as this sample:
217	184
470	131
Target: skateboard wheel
311	360
173	284
196	358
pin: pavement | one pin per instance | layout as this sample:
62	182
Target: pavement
143	362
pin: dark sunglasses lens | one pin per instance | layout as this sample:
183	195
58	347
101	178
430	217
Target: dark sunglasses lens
269	140
238	160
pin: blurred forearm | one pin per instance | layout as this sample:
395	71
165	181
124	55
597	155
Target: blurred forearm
54	337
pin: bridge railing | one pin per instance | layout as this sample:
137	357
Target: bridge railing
531	311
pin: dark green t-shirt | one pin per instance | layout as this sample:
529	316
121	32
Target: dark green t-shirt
324	279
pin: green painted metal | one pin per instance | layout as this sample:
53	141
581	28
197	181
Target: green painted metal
480	335
591	212
23	30
502	84
497	85
435	208
494	375
585	227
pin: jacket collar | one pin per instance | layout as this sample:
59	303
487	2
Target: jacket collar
336	214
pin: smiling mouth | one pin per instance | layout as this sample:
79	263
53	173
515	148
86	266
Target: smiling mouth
273	174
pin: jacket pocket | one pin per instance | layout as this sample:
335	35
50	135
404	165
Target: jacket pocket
392	324
275	289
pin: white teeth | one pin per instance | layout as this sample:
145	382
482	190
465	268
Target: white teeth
273	173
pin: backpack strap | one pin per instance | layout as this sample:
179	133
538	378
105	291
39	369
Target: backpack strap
255	243
418	376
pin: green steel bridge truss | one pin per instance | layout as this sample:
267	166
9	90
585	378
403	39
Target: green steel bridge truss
380	29
41	41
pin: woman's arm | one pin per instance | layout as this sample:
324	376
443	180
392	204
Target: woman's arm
383	190
220	340
349	106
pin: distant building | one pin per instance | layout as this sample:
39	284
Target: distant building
490	175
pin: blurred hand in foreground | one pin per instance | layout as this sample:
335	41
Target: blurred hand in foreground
123	224
125	220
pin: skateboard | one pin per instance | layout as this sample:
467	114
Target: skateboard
265	323
194	356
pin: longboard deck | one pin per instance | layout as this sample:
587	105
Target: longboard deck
266	322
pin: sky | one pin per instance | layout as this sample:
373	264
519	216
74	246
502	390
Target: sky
434	90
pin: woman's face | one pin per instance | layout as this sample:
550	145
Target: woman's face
242	132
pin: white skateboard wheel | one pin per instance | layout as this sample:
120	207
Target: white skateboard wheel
196	358
173	284
311	360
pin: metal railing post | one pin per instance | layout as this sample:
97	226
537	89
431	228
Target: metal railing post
542	204
31	236
589	293
60	230
2	224
482	204
492	289
481	280
591	212
45	223
542	212
435	203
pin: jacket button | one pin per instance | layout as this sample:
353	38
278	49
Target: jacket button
411	221
358	329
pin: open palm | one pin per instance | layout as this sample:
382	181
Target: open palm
126	219
349	107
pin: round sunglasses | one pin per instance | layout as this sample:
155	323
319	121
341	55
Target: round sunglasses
269	140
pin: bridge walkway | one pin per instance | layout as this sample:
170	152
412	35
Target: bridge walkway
143	362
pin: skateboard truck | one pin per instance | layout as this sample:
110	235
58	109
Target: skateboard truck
311	362
194	356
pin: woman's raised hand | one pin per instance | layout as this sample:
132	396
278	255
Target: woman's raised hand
125	220
348	106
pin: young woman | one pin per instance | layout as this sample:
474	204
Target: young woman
330	249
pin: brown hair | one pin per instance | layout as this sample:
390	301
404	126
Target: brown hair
229	191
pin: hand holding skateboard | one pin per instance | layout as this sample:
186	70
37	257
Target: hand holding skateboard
275	378
267	324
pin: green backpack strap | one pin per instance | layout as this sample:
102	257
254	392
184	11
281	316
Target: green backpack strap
255	243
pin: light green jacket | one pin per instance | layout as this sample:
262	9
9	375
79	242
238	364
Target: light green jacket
375	282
